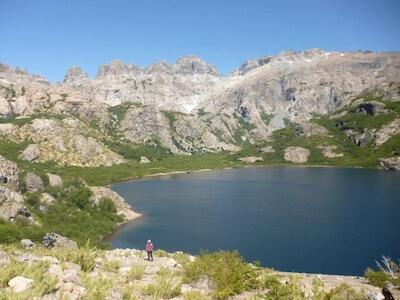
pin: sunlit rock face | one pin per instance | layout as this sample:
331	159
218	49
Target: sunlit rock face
188	107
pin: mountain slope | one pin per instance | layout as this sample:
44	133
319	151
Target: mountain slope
188	108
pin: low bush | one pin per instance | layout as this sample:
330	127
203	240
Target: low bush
136	272
227	270
377	278
166	286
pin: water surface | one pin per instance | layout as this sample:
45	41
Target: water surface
325	220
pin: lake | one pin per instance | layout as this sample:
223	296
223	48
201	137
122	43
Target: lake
320	220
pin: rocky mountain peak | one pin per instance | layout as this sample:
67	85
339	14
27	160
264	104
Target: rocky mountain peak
193	64
160	67
74	74
116	70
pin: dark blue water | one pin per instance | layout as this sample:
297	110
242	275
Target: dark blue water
324	220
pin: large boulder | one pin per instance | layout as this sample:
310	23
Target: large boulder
54	180
48	199
31	153
123	208
144	160
329	151
27	243
392	163
296	154
8	129
12	206
52	239
33	183
20	284
9	173
267	149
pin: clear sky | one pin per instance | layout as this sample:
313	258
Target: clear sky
46	37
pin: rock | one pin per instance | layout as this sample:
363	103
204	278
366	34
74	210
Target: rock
27	243
251	159
4	258
387	131
31	153
392	163
20	284
9	173
75	74
309	129
122	207
54	180
296	154
329	151
267	149
12	205
144	160
8	129
48	199
360	139
33	183
55	240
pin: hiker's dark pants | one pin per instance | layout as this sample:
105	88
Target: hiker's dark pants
150	255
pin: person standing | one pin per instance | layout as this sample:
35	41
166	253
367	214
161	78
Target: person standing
149	250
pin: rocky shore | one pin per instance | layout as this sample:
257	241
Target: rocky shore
35	272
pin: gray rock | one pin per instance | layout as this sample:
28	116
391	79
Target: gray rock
144	160
20	284
33	183
251	159
27	243
392	163
296	154
31	153
55	240
267	149
54	180
75	74
9	173
48	199
4	258
12	205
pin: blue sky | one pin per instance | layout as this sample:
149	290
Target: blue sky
48	36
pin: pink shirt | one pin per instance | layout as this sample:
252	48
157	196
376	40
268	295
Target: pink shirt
149	247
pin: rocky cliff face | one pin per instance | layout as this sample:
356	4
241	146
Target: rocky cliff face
188	107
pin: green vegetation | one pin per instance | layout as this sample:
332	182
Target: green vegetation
388	273
42	284
227	270
97	288
72	212
136	272
166	286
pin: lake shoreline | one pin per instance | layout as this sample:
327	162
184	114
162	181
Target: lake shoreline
189	171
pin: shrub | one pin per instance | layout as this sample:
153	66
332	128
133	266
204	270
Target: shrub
32	199
136	272
166	286
377	278
97	288
278	291
112	265
195	295
107	205
227	270
84	256
344	291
